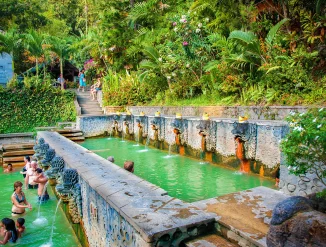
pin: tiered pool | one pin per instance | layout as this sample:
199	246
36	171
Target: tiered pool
182	177
36	235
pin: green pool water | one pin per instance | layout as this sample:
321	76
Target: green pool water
36	235
182	177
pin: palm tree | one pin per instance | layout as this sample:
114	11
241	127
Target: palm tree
62	48
9	42
34	44
250	53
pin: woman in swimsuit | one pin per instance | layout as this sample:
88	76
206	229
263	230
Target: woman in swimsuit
10	231
19	200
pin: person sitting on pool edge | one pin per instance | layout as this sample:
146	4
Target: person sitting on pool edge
18	199
9	168
129	166
41	179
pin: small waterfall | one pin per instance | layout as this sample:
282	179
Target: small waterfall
55	213
40	202
170	145
147	142
41	220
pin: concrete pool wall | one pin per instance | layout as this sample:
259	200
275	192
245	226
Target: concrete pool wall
263	142
220	144
121	209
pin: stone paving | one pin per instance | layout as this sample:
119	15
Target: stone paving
245	215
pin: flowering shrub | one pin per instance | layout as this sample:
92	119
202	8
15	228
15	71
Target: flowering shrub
305	144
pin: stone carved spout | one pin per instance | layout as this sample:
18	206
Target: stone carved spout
245	142
41	151
69	191
203	127
49	155
141	124
180	131
56	168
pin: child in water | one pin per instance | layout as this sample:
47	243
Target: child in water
20	226
10	232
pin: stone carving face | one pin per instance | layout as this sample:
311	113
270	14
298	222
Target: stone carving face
44	148
49	155
38	145
69	178
57	166
241	130
247	133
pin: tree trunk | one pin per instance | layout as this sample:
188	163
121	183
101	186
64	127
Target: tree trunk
286	15
61	73
36	66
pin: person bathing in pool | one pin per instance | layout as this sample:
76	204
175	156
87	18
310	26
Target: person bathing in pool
19	200
10	232
41	179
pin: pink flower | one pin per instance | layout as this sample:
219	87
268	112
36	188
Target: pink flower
185	43
174	24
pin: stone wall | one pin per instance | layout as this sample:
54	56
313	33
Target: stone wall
94	125
253	112
264	139
121	209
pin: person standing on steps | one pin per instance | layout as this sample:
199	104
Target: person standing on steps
82	80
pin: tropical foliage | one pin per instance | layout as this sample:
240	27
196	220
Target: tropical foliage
225	51
305	144
26	108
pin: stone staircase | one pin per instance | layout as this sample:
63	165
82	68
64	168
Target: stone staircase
15	153
88	107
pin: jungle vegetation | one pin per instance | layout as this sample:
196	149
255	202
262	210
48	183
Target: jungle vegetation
176	52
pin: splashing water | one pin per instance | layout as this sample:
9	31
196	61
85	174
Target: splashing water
50	243
40	202
147	142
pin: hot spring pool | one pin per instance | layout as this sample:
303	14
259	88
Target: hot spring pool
36	235
182	177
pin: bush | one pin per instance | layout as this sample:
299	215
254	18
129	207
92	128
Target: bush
305	144
24	109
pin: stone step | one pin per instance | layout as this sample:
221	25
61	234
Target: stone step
91	108
7	147
77	138
85	111
209	241
72	134
27	134
13	159
62	131
18	153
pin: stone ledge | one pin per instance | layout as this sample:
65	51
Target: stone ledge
245	215
144	205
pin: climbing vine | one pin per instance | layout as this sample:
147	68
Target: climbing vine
24	109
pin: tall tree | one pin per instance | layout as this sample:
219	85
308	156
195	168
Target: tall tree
9	42
34	44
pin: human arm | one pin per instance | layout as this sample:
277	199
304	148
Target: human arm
26	180
40	179
6	238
